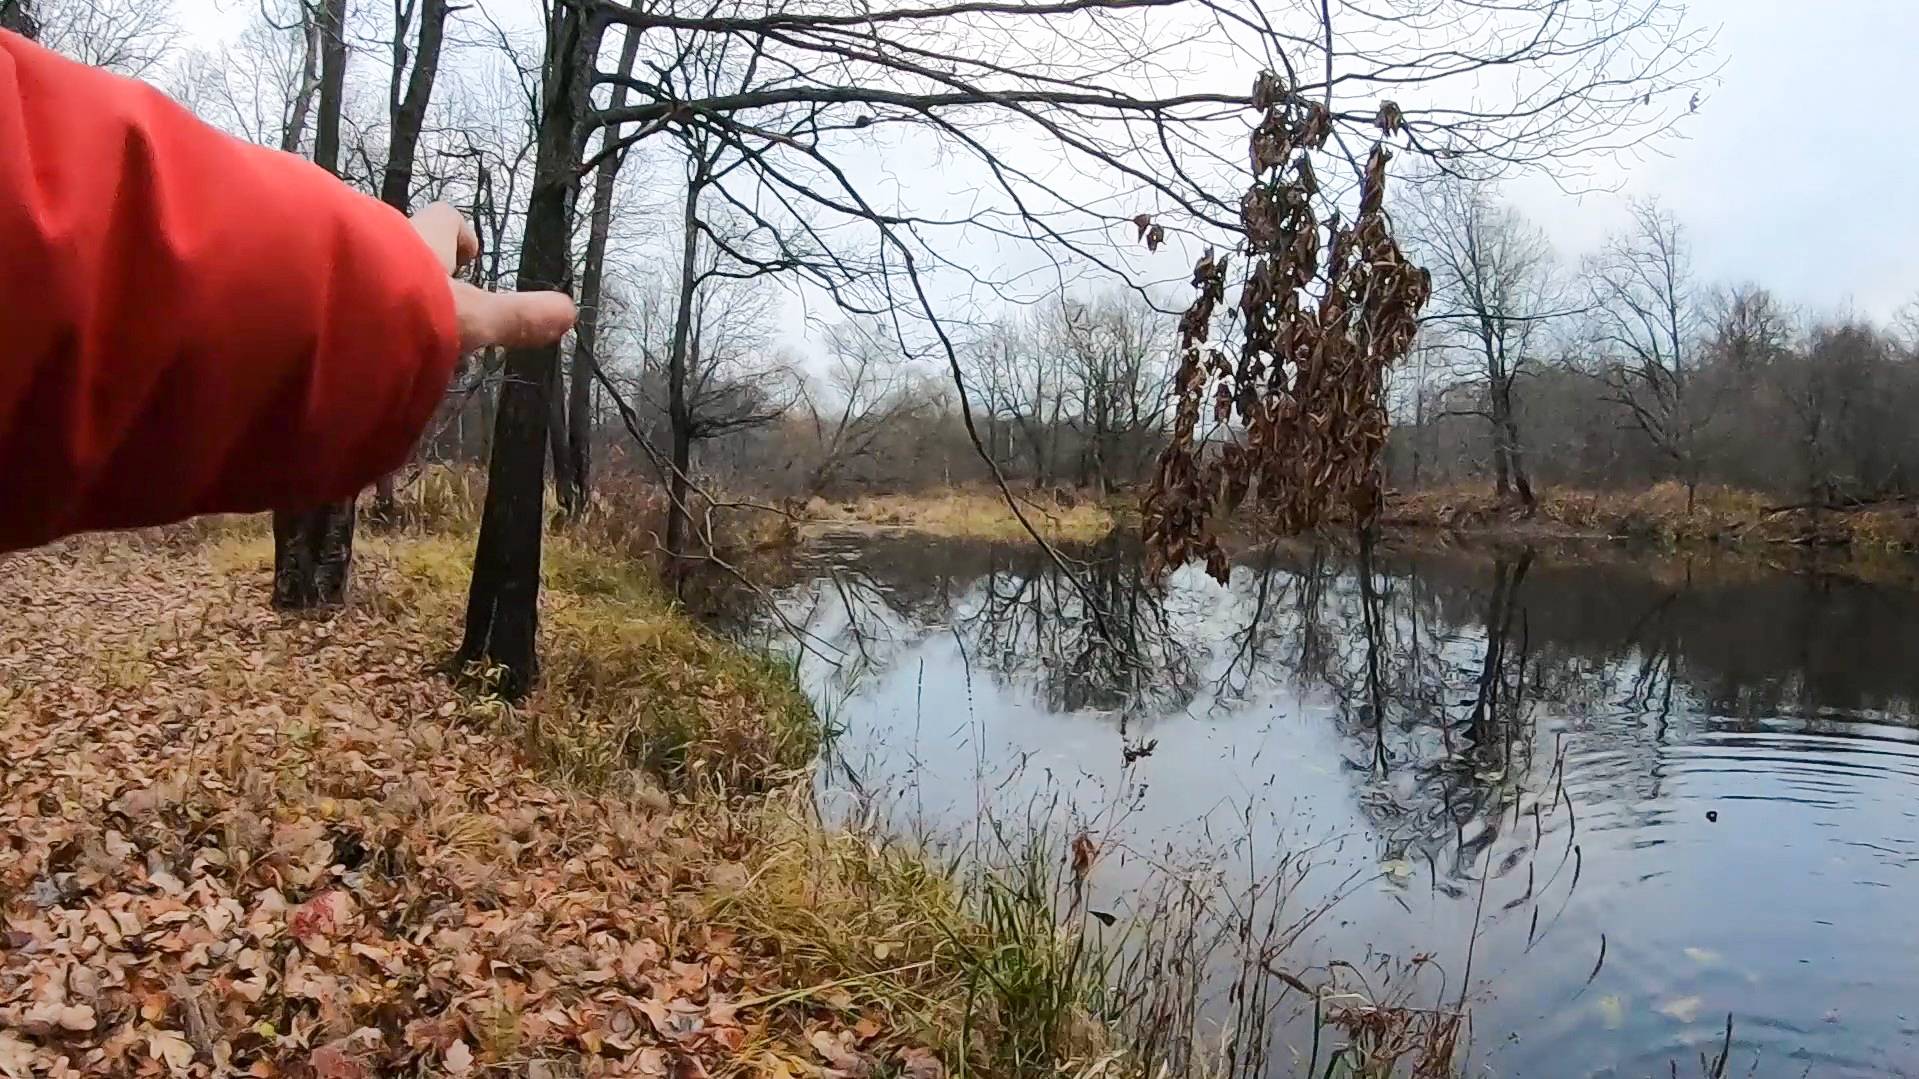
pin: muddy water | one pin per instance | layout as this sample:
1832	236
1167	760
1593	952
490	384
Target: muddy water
1615	797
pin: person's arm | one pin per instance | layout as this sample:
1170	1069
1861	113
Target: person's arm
191	324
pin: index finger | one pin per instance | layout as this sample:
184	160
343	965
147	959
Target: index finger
445	231
467	246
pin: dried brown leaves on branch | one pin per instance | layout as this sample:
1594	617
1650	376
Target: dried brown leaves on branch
1298	419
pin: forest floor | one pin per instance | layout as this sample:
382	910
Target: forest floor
239	842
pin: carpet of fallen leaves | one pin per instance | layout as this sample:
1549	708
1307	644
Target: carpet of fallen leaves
236	842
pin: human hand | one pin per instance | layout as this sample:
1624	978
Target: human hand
511	319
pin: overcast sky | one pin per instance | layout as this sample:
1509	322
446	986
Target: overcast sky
1799	170
1794	174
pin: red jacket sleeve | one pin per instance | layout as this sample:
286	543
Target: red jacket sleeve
189	323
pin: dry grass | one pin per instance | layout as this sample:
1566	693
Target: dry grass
975	962
627	681
1718	516
973	514
626	513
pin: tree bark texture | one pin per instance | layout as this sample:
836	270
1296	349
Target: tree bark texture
679	413
503	600
17	16
579	408
407	113
313	549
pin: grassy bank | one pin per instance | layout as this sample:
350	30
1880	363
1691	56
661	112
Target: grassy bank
248	843
1715	517
966	513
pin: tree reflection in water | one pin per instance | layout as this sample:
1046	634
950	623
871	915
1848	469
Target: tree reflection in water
1435	666
1040	627
1489	739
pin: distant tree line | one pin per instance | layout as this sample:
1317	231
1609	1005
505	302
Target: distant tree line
698	175
1626	369
1069	394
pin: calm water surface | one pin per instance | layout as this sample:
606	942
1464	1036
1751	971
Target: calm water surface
1707	770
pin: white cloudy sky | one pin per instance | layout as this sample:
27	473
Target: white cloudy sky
1793	174
1797	172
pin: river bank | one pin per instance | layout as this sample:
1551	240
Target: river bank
242	842
1714	519
1545	771
973	513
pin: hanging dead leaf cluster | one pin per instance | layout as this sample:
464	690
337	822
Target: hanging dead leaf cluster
1296	422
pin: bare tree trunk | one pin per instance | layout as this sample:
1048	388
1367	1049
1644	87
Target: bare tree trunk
586	335
312	557
679	413
1419	420
313	550
17	16
1510	462
503	601
1098	465
1047	445
556	428
1516	454
407	113
1502	472
488	398
679	519
296	120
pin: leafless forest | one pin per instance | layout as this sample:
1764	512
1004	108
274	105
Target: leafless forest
823	248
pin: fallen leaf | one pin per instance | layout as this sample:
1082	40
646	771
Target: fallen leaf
171	1048
1684	1009
839	1054
919	1063
687	1067
16	1056
1085	853
459	1059
218	919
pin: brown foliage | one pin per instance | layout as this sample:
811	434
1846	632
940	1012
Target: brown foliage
1304	401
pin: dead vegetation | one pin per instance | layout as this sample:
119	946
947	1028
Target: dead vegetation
625	514
1299	415
1718	516
971	513
246	844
